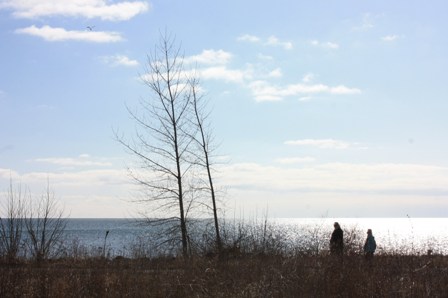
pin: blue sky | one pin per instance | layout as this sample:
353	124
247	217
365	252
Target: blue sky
321	108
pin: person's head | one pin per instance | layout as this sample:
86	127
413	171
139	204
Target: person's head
369	232
336	225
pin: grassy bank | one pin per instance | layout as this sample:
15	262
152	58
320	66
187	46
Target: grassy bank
234	275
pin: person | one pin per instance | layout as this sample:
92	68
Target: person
369	245
337	240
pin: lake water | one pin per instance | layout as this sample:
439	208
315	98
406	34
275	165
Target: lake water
391	234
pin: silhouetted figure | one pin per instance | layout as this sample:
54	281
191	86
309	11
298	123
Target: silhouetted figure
337	240
369	245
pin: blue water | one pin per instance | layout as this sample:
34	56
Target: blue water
111	237
103	236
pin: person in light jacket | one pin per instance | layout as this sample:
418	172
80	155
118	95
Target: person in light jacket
369	245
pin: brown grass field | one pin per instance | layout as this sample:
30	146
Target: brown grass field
234	275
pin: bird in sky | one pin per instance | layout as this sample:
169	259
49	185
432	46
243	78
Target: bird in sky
90	28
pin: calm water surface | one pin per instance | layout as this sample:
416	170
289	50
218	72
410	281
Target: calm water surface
418	234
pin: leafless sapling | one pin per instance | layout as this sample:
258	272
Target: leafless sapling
203	139
45	225
162	140
11	221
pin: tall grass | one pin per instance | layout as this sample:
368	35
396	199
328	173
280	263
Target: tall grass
259	259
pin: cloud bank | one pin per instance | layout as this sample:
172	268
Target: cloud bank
102	9
266	91
270	41
323	143
60	34
404	179
119	60
214	65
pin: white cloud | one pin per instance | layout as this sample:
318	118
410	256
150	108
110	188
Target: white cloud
274	41
326	45
342	189
345	177
264	91
119	60
323	143
84	160
341	89
84	193
214	66
7	173
71	179
294	184
60	34
308	78
248	38
271	41
389	38
264	57
294	160
276	73
223	73
210	57
102	9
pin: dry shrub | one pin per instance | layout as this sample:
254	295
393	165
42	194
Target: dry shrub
246	276
256	262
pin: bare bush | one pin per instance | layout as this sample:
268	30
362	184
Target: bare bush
11	222
45	225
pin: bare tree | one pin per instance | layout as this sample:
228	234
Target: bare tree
45	225
162	140
11	222
204	140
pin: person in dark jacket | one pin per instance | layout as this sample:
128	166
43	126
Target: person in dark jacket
337	240
369	245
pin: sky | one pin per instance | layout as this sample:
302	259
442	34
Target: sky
320	108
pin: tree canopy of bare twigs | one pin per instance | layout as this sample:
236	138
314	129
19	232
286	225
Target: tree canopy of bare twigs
11	221
204	141
163	136
45	225
30	224
169	128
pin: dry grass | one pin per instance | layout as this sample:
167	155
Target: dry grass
230	276
259	261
